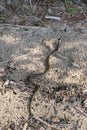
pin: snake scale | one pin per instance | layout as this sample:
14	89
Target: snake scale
31	76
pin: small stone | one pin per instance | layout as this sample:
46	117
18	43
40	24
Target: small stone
13	83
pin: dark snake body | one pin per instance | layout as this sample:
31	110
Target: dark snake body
31	76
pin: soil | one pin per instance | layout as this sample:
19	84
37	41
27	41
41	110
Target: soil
60	103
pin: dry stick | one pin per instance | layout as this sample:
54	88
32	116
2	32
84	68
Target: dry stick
49	125
78	110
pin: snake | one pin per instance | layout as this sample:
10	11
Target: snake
31	76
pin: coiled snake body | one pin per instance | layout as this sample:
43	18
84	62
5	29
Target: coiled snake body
47	67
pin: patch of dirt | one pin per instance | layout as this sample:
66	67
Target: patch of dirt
60	102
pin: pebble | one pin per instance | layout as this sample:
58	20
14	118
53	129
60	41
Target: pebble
13	83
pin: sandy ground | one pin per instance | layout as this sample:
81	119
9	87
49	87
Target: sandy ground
61	101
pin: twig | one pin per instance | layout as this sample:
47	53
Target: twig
52	17
78	110
49	125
